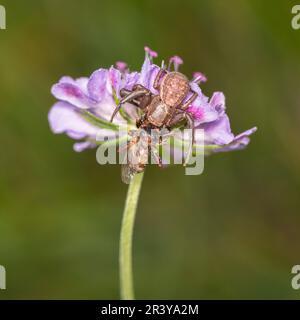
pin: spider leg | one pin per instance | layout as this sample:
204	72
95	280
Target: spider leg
191	126
177	117
140	87
142	102
145	101
160	74
130	97
189	101
124	92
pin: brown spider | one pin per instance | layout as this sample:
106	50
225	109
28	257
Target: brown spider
165	109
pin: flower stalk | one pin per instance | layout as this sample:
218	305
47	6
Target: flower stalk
125	253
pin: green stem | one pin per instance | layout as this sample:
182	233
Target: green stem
125	253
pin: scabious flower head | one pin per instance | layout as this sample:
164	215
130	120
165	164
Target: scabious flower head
85	105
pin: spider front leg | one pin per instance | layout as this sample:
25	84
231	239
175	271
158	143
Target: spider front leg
189	101
131	97
125	92
161	73
142	102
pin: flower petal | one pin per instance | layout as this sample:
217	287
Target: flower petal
81	146
218	132
217	102
201	109
131	79
239	142
113	84
97	84
73	94
64	118
105	110
202	112
148	74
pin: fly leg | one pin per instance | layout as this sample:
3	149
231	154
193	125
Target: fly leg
155	154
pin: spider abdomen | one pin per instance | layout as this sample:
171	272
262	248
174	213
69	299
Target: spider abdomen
174	88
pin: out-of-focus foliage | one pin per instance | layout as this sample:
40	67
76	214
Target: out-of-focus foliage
230	233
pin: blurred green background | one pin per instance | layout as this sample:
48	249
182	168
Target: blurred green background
232	232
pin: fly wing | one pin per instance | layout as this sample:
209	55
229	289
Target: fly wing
126	173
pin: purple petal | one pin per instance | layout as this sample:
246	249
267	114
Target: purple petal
148	74
202	110
114	81
81	146
153	73
239	142
131	111
195	87
63	118
145	71
131	79
196	112
106	108
218	132
246	133
72	93
97	84
217	102
67	79
82	83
